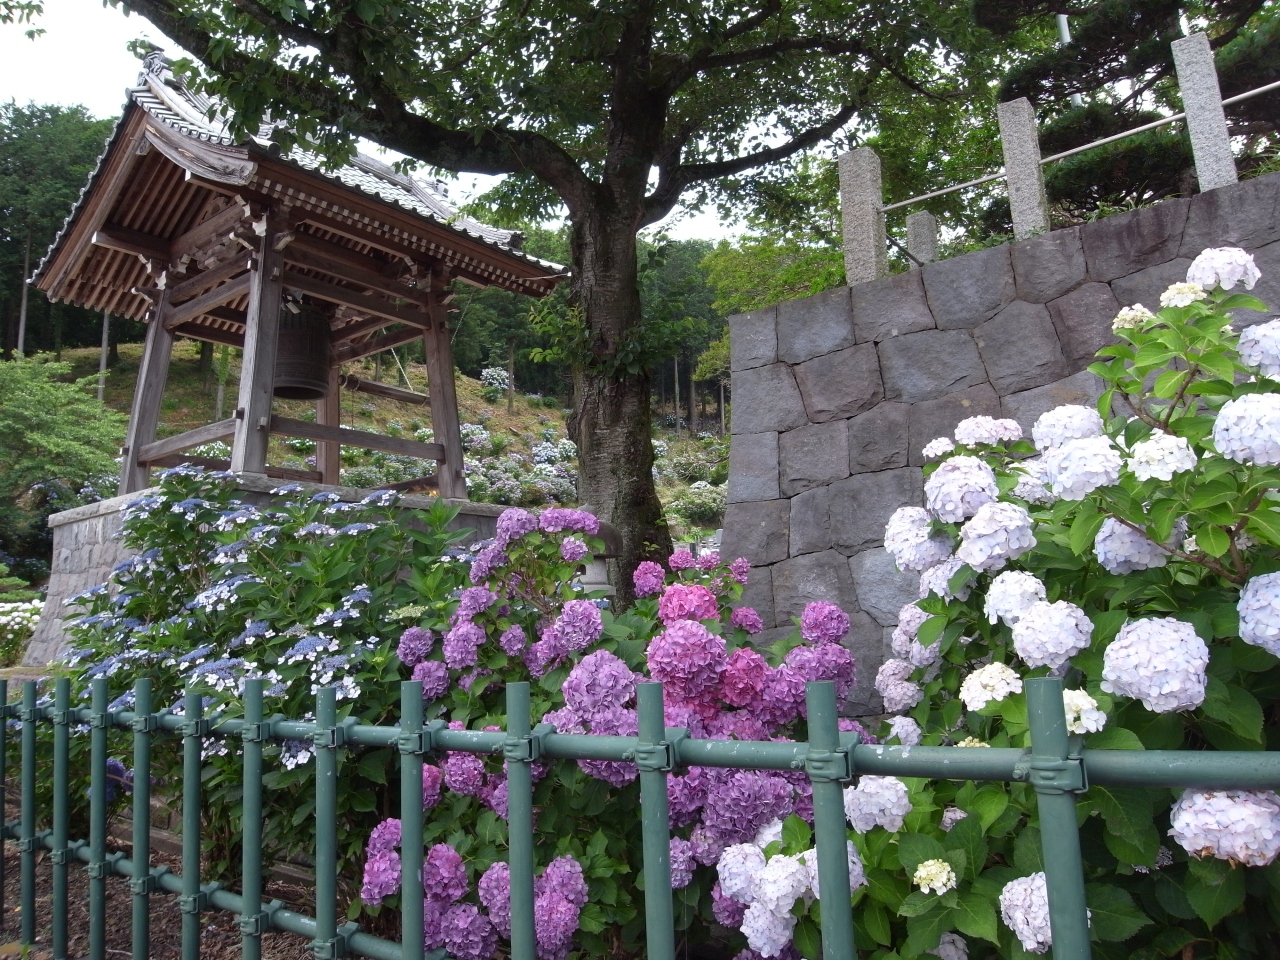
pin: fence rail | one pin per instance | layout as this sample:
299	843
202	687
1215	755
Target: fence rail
1055	766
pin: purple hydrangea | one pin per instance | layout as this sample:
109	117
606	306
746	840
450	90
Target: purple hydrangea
495	795
462	645
473	601
381	876
740	569
681	560
648	578
739	806
682	863
783	697
572	550
432	781
612	721
707	847
555	920
744	675
579	625
434	677
512	525
494	889
709	560
464	773
685	796
687	601
746	618
600	680
385	836
513	640
737	725
825	661
545	653
564	876
823	622
415	645
487	562
727	911
688	658
467	933
444	876
433	912
560	519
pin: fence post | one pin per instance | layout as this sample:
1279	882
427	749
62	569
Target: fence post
144	722
827	766
325	945
861	200
98	722
411	749
654	761
191	901
254	735
519	752
1206	120
27	842
922	238
1056	780
4	772
1020	139
61	815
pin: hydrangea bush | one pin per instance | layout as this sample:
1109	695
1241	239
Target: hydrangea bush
1133	549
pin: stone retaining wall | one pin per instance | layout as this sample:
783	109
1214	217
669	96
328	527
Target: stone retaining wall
835	395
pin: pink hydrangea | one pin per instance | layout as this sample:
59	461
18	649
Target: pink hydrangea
681	560
572	550
823	622
746	618
709	560
744	676
444	876
432	780
560	519
381	876
648	578
687	601
688	658
740	569
434	677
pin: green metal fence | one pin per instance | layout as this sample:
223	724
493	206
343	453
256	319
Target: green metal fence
1052	766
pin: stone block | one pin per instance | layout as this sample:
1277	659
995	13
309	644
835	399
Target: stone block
813	326
810	522
1083	320
753	339
1047	266
876	438
1126	242
1020	348
858	508
882	588
841	384
756	530
968	290
766	399
890	307
803	580
1026	407
866	642
812	456
1243	215
753	467
758	594
929	364
938	418
1145	286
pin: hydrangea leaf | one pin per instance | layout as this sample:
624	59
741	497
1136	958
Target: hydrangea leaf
807	939
1027	855
925	931
1084	528
875	921
1214	889
1114	915
1126	810
915	848
988	803
976	917
1114	738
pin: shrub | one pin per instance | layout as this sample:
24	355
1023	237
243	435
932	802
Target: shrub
700	506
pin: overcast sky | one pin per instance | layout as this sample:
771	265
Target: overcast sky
83	58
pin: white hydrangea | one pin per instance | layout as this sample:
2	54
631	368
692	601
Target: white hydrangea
857	875
769	833
1024	907
937	580
1070	421
910	617
1260	347
1259	609
1078	467
1121	549
972	742
1083	715
1160	661
1242	826
768	933
1248	429
999	532
1161	455
907	536
959	487
1223	267
989	684
1134	316
1011	594
950	817
894	685
906	730
1033	482
987	430
1049	634
951	947
938	447
876	802
782	881
737	869
924	656
934	876
1182	295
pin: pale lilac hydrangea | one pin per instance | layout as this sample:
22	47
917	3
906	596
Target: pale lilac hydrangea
906	730
921	655
744	677
780	883
950	947
910	618
938	447
1049	634
462	645
1259	609
999	532
599	681
648	578
876	802
1070	421
746	618
1242	826
513	641
893	683
857	873
1260	347
572	550
1223	267
1010	595
688	658
989	684
1078	467
434	677
1024	907
989	431
1161	455
1033	482
415	645
950	817
768	932
937	580
464	773
444	875
959	486
1248	429
1182	294
1121	549
1083	715
823	622
494	889
737	869
1160	661
908	537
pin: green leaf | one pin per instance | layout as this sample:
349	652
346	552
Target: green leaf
925	931
796	835
1265	524
1027	858
967	837
808	939
931	629
1212	540
1245	714
988	803
1084	528
1167	383
976	917
915	848
1126	810
1214	889
1114	738
875	919
918	902
1113	914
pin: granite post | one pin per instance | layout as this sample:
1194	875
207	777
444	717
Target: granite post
922	237
1206	121
861	200
1019	137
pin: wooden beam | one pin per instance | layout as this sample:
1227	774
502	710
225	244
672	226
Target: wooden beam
438	345
429	482
329	414
346	352
315	254
185	441
362	439
199	331
147	395
258	367
206	301
214	463
362	302
234	265
360	328
383	390
219	225
115	237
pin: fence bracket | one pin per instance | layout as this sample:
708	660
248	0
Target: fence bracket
106	720
196	728
528	748
1050	775
664	756
196	903
338	947
100	870
330	738
829	765
262	731
148	723
259	923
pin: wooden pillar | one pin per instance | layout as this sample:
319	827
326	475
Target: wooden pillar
147	396
438	347
258	365
329	414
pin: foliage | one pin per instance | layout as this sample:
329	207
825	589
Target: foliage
702	505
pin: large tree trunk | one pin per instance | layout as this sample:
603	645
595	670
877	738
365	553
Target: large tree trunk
611	421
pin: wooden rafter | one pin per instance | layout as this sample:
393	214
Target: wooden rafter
183	312
360	302
346	352
221	430
288	427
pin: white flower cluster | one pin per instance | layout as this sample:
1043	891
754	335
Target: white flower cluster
959	487
989	684
1161	455
972	742
1223	267
1259	609
909	619
950	817
1160	661
1260	347
1083	715
18	619
999	532
1134	316
1121	549
1033	482
1248	429
1078	467
857	876
908	537
1242	826
737	868
780	883
987	430
1068	422
893	683
1182	295
1010	595
935	876
938	447
876	802
924	656
1049	634
768	932
937	579
951	947
1024	907
906	730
